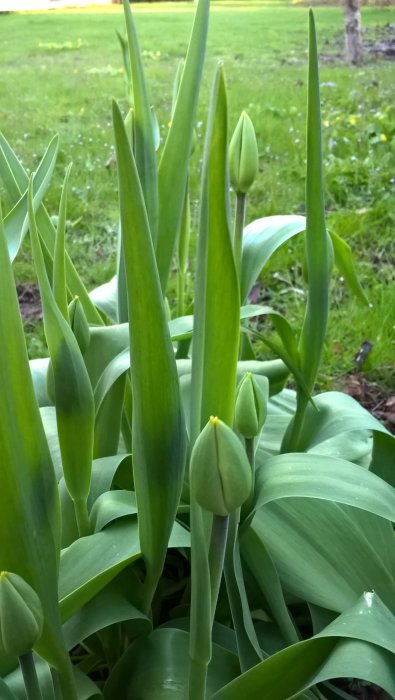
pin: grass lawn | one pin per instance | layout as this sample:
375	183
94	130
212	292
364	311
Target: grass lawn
60	69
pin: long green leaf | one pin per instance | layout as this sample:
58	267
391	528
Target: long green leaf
29	505
16	180
337	652
157	667
144	142
173	167
216	324
159	435
110	606
314	326
16	222
329	478
345	264
91	562
328	553
260	240
59	257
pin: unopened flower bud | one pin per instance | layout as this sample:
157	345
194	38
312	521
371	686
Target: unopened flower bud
243	155
251	405
21	615
79	324
220	471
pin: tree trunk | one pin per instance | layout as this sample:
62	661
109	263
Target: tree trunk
352	26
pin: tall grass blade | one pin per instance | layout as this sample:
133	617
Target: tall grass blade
173	166
159	436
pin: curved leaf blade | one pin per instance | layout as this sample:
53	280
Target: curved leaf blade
159	435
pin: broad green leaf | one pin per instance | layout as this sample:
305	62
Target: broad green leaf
109	606
264	236
16	181
110	506
326	656
90	563
105	471
39	369
260	240
108	419
106	299
144	141
6	693
329	478
157	667
16	222
345	264
335	413
159	435
174	163
383	456
261	565
370	620
327	553
29	504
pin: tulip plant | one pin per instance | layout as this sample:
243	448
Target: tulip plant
174	522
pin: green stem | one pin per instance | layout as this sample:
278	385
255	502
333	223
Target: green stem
250	452
181	293
82	517
200	618
216	557
56	684
291	438
67	682
241	203
28	668
197	679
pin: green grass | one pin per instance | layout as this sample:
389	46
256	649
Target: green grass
60	69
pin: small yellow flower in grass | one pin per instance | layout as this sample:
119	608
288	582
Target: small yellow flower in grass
220	471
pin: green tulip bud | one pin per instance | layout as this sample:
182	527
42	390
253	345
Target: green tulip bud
21	615
220	471
243	155
251	405
79	324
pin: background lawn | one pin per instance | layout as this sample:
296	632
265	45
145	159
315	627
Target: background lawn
60	69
